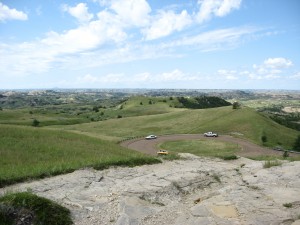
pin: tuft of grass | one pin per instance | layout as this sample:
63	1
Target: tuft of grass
170	156
269	164
288	205
229	157
217	178
42	210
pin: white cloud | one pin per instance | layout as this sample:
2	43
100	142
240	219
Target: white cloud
166	23
175	75
296	76
132	12
276	63
80	12
217	39
228	74
271	68
11	14
220	8
109	78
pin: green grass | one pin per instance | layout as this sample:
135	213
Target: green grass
206	148
44	116
275	157
288	205
45	212
269	164
27	152
223	120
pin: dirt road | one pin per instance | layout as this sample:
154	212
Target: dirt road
248	149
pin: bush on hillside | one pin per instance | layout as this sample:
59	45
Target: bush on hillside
35	123
296	146
236	105
202	102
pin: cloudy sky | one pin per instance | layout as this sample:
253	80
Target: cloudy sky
202	44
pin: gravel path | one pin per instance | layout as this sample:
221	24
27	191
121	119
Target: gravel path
150	146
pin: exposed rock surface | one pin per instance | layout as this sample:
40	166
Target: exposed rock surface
191	191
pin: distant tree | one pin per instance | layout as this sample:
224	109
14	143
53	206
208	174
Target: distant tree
102	113
96	108
141	103
0	108
35	123
171	98
150	102
30	112
296	146
119	116
236	105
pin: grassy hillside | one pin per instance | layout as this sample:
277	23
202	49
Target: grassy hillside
27	152
224	120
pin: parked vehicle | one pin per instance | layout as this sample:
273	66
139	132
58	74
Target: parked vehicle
210	134
150	137
162	152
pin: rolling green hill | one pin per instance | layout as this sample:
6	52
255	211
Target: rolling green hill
27	152
245	122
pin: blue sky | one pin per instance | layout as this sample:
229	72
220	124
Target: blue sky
194	44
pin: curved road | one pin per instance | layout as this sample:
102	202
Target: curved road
248	149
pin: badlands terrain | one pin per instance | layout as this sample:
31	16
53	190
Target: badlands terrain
192	190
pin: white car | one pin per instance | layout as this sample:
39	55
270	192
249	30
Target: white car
150	137
210	134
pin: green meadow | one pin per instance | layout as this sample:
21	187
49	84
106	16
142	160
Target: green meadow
27	153
65	140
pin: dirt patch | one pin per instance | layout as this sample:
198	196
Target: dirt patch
225	211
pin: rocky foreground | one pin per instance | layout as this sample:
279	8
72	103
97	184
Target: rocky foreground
190	191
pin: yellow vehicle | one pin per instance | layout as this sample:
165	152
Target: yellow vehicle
162	152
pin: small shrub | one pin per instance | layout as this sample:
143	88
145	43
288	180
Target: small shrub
236	105
269	164
229	157
264	138
285	154
35	123
141	103
288	205
119	116
296	146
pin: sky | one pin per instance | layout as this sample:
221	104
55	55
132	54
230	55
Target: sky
191	44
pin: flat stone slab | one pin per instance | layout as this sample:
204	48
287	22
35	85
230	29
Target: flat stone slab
191	191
